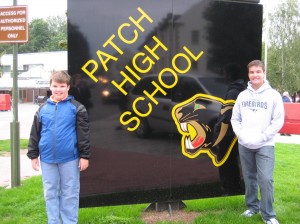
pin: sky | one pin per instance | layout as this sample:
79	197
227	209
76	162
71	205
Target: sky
270	4
40	8
45	8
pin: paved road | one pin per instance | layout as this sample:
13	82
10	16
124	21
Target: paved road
26	113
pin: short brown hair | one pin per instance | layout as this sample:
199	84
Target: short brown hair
60	77
258	63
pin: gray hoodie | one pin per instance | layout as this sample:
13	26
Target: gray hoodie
257	116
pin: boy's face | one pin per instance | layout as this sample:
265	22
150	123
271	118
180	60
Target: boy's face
256	76
59	91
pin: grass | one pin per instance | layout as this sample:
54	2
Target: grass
5	145
25	204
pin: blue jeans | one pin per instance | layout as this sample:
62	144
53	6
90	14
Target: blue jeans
61	191
258	167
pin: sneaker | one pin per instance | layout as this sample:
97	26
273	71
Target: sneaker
249	213
271	221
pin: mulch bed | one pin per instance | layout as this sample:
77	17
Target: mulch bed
176	216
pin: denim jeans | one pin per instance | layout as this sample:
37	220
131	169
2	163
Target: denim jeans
61	191
258	167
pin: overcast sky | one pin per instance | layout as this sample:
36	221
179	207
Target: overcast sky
40	8
270	4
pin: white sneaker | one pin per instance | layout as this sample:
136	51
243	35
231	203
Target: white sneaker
271	221
249	213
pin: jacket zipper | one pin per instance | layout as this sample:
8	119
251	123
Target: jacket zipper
54	149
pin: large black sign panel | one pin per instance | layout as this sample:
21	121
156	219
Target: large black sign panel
151	74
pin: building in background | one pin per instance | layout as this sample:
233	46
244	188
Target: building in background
34	71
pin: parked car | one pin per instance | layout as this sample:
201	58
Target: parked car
40	100
160	119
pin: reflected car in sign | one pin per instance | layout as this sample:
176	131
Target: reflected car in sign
108	92
160	119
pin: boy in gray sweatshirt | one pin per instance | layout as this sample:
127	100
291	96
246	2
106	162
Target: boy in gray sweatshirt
257	116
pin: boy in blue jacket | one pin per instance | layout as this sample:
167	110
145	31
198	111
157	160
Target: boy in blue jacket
59	137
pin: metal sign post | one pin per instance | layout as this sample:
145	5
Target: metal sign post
15	126
14	29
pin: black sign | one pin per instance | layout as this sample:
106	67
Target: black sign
153	73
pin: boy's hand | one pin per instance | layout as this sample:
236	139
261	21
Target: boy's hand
35	163
83	164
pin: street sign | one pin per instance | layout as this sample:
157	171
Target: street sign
13	24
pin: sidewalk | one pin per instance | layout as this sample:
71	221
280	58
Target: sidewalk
293	139
25	168
26	113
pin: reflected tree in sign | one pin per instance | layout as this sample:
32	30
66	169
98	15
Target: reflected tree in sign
223	22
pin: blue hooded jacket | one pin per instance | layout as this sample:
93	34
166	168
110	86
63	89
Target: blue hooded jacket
60	132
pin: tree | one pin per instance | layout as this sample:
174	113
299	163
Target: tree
39	37
5	49
284	39
58	29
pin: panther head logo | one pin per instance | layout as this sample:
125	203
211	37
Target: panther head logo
195	119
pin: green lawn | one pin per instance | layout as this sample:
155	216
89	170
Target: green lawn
5	145
25	204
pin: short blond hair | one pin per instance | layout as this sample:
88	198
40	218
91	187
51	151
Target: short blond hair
60	77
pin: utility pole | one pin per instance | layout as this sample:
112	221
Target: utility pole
266	36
